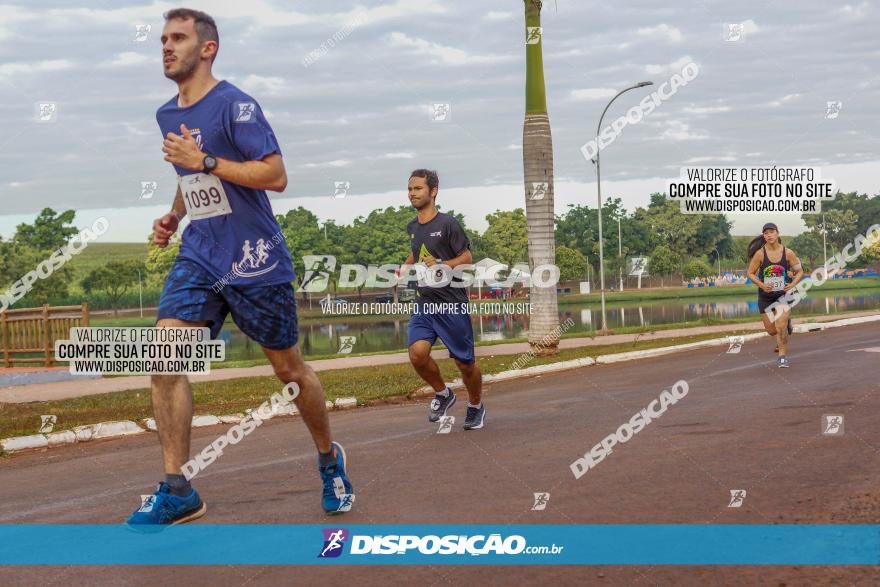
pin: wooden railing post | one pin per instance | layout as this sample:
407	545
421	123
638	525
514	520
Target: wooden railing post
85	310
46	336
6	357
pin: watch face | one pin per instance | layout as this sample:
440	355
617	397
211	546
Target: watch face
210	162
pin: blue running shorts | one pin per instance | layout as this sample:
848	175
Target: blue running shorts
265	313
454	329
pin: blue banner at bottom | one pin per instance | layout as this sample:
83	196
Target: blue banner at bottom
355	544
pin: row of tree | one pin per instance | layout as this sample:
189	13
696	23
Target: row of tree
686	245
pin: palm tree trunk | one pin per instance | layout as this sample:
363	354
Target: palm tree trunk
538	175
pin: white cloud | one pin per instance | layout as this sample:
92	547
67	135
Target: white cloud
665	31
783	100
447	55
328	164
855	12
593	94
13	69
496	15
705	109
724	158
399	155
130	58
260	84
679	131
675	66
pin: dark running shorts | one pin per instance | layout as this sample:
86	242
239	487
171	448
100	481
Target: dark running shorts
265	313
765	300
455	330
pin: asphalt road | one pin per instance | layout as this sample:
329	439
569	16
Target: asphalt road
743	425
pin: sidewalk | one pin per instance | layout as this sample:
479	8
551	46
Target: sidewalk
71	389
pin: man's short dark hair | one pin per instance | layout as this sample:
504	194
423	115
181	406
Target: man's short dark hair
430	177
206	28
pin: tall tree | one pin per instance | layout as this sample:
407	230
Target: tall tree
808	246
113	279
538	177
49	231
506	238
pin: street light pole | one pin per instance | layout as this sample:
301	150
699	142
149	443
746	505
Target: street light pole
604	329
620	253
140	292
824	244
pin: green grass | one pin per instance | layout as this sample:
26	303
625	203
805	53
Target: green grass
99	254
367	384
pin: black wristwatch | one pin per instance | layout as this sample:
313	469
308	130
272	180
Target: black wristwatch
209	164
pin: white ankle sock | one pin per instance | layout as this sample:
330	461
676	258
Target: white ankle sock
444	393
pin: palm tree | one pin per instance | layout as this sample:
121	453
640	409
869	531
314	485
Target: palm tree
538	176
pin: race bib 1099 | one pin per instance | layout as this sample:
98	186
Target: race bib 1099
204	196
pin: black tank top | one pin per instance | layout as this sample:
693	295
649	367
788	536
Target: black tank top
769	268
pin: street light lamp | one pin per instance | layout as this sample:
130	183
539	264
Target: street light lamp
599	193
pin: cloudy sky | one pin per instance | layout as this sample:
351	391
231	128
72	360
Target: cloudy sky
361	111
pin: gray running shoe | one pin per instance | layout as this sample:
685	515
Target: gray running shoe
783	362
475	418
440	405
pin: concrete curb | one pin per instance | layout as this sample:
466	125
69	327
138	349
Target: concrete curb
121	428
514	374
100	431
668	350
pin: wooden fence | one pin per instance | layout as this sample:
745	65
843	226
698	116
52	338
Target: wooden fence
33	331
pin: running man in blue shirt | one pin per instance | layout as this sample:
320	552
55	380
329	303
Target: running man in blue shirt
233	258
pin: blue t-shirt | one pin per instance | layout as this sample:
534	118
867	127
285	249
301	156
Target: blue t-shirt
246	244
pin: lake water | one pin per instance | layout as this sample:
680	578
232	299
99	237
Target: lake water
322	336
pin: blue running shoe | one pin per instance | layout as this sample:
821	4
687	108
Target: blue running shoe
164	509
338	493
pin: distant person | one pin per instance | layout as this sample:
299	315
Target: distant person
769	267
